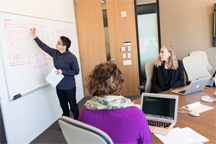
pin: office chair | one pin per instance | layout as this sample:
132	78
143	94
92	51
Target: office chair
195	67
149	72
77	132
204	55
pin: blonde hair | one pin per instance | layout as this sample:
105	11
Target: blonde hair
173	61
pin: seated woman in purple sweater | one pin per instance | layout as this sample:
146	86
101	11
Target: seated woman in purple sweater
110	112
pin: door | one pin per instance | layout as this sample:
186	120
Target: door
91	39
89	21
122	29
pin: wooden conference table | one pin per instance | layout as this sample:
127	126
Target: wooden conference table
204	124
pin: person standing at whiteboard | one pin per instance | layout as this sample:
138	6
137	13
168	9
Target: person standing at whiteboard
66	64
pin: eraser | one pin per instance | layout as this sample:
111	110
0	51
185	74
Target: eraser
17	96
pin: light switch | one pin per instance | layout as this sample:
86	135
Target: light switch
127	62
123	14
129	48
122	48
129	55
124	55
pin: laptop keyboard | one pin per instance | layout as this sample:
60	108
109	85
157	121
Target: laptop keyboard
158	124
182	91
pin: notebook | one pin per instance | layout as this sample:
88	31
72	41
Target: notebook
160	111
195	86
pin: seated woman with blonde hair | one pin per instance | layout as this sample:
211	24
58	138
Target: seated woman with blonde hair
168	71
114	114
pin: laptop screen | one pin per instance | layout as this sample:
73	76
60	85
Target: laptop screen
159	107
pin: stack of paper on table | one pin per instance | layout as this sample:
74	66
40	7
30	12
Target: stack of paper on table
197	107
182	136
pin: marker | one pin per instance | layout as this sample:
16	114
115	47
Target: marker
31	28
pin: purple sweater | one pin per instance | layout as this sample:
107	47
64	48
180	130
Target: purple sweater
125	125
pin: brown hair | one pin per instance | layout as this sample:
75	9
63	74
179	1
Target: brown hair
105	79
173	61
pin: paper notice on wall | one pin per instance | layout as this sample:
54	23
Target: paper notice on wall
127	43
127	62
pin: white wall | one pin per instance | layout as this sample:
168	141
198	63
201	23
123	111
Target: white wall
50	9
29	116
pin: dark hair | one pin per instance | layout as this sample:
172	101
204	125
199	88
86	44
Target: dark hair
66	41
105	79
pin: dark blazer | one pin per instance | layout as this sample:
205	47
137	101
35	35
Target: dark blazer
177	78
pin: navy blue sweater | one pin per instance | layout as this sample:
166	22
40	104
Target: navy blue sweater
66	61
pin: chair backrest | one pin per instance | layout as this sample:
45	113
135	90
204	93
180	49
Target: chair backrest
195	67
149	72
78	132
204	55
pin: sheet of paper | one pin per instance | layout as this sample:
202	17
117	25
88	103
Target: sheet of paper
138	106
173	137
199	109
182	136
54	78
194	135
193	105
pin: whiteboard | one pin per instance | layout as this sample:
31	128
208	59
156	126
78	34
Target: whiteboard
26	65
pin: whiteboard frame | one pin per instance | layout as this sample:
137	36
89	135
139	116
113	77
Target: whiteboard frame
7	83
36	17
4	60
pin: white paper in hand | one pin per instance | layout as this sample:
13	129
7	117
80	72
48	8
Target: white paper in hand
54	78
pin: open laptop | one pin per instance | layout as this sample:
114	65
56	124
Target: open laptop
195	86
160	111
